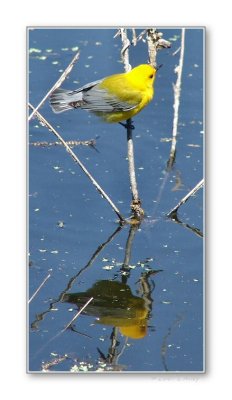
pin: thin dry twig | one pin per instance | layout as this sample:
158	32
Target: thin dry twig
185	198
76	159
141	35
134	38
57	84
77	314
125	49
177	91
37	290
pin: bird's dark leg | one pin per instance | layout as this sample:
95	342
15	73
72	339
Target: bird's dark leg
127	125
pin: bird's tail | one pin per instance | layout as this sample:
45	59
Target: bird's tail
63	100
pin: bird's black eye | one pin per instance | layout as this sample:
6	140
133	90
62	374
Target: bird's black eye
151	76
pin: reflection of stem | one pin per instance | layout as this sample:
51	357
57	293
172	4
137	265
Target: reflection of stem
40	317
76	159
164	346
125	267
92	259
112	352
161	189
177	90
146	289
197	231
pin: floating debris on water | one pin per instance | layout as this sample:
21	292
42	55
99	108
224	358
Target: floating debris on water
108	267
60	224
34	50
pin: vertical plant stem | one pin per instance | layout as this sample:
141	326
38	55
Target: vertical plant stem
136	203
151	45
177	91
125	49
155	42
131	163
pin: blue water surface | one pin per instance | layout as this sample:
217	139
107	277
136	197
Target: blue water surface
147	282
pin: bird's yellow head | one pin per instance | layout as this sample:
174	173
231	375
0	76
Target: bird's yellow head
143	75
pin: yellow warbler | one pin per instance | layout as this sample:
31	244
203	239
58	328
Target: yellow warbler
114	98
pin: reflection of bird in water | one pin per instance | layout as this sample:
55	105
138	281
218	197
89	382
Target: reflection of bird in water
114	305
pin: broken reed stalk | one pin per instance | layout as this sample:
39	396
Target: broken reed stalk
76	159
77	314
155	42
151	45
177	91
185	198
57	84
136	203
40	286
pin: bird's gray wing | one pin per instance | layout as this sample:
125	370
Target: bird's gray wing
100	100
90	97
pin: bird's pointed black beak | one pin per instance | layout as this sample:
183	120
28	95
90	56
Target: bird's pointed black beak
158	67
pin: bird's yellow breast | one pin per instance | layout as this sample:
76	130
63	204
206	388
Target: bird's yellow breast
134	88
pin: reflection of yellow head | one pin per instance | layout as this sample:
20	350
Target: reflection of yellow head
134	331
134	327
